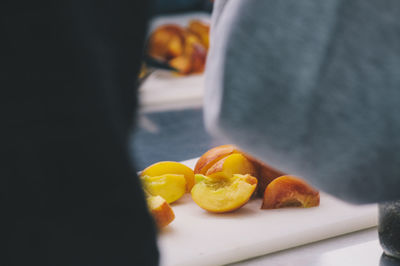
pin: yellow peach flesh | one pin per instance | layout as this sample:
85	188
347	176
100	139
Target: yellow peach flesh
232	164
169	167
221	195
210	157
160	210
169	186
290	191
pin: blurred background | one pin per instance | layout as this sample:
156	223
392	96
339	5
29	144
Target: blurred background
170	123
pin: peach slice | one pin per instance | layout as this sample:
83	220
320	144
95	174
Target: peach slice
198	56
160	210
169	186
193	58
166	42
182	63
169	167
221	195
264	172
213	155
202	30
230	165
289	191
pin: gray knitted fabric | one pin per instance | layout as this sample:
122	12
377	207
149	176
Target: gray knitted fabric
312	87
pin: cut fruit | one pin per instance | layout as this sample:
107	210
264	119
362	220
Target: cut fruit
262	171
160	210
221	195
202	30
290	191
169	186
230	165
169	167
166	42
213	155
181	63
265	173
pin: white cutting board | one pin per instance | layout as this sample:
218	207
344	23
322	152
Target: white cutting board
163	90
197	237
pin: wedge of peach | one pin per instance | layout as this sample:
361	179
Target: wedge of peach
289	191
166	42
182	63
198	57
202	30
169	167
263	172
160	210
213	155
221	195
169	186
193	58
232	164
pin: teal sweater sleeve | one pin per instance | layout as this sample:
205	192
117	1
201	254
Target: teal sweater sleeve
312	87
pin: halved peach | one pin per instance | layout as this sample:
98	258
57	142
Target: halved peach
182	63
213	155
166	42
160	210
289	191
221	195
202	30
263	172
232	164
169	186
169	167
198	57
193	59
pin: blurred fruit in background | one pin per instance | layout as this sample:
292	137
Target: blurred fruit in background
183	48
